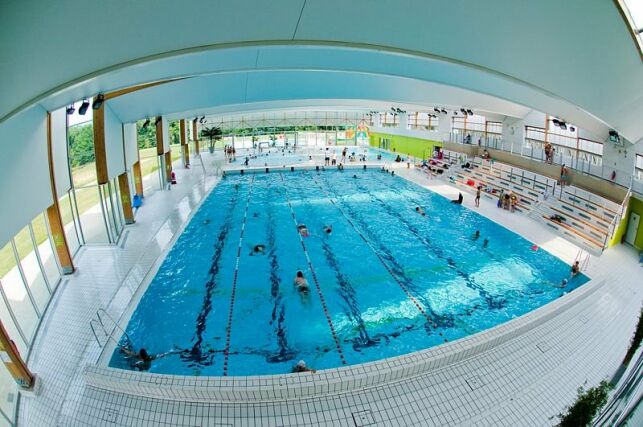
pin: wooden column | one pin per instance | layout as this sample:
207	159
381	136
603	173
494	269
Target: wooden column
185	148
13	361
54	218
99	145
126	198
195	137
160	147
138	178
168	166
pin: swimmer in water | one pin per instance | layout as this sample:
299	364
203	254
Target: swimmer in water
575	268
301	283
258	250
142	360
420	211
328	229
303	230
485	243
476	235
301	367
206	221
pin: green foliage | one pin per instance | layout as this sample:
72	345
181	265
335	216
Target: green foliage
636	340
81	144
213	134
146	136
587	405
175	133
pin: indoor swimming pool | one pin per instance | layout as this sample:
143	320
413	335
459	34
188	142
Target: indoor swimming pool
275	157
385	282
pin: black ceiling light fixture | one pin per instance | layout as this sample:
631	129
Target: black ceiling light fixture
563	125
455	113
83	107
146	123
444	111
437	110
202	119
556	122
572	129
98	101
463	111
470	112
70	110
157	121
195	120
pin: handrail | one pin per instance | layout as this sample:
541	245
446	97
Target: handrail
114	322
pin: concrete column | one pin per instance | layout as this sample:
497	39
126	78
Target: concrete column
404	121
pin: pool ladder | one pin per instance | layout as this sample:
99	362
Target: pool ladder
583	262
99	323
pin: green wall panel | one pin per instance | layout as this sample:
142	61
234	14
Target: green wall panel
416	147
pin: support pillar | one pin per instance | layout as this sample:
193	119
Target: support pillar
99	145
185	148
163	147
138	178
13	361
195	137
126	198
54	218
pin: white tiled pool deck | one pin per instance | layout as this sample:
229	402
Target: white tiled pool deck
521	373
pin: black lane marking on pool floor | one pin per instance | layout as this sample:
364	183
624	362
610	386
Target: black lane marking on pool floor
228	332
432	318
492	301
278	316
347	293
314	275
196	354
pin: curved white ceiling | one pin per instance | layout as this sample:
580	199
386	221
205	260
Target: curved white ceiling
574	59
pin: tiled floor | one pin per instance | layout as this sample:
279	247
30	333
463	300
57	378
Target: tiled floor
524	380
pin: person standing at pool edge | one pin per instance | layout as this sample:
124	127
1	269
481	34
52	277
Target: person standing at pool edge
478	196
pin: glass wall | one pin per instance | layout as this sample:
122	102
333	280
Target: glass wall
29	273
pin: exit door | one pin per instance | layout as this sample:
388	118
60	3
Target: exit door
632	228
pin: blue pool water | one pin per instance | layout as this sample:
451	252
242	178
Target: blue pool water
386	282
275	157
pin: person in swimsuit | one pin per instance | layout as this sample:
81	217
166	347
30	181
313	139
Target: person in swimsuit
303	230
301	283
420	211
301	367
478	196
258	250
328	229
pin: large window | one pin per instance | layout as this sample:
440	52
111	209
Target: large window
422	121
29	273
638	167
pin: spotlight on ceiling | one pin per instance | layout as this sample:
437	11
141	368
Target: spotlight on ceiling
563	125
146	123
572	129
195	120
71	109
98	101
455	113
469	112
83	107
437	110
443	111
463	111
157	121
202	119
555	122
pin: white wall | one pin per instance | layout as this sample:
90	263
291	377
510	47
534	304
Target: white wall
25	190
59	151
165	126
113	144
130	143
424	134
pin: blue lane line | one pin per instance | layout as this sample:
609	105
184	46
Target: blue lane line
226	351
314	275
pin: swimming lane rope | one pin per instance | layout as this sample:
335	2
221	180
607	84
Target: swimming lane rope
314	275
226	351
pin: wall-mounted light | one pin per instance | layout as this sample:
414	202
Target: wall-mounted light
470	112
71	109
146	123
157	121
98	101
83	107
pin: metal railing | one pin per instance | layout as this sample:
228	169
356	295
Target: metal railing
101	316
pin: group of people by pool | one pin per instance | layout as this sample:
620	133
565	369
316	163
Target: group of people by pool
230	153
